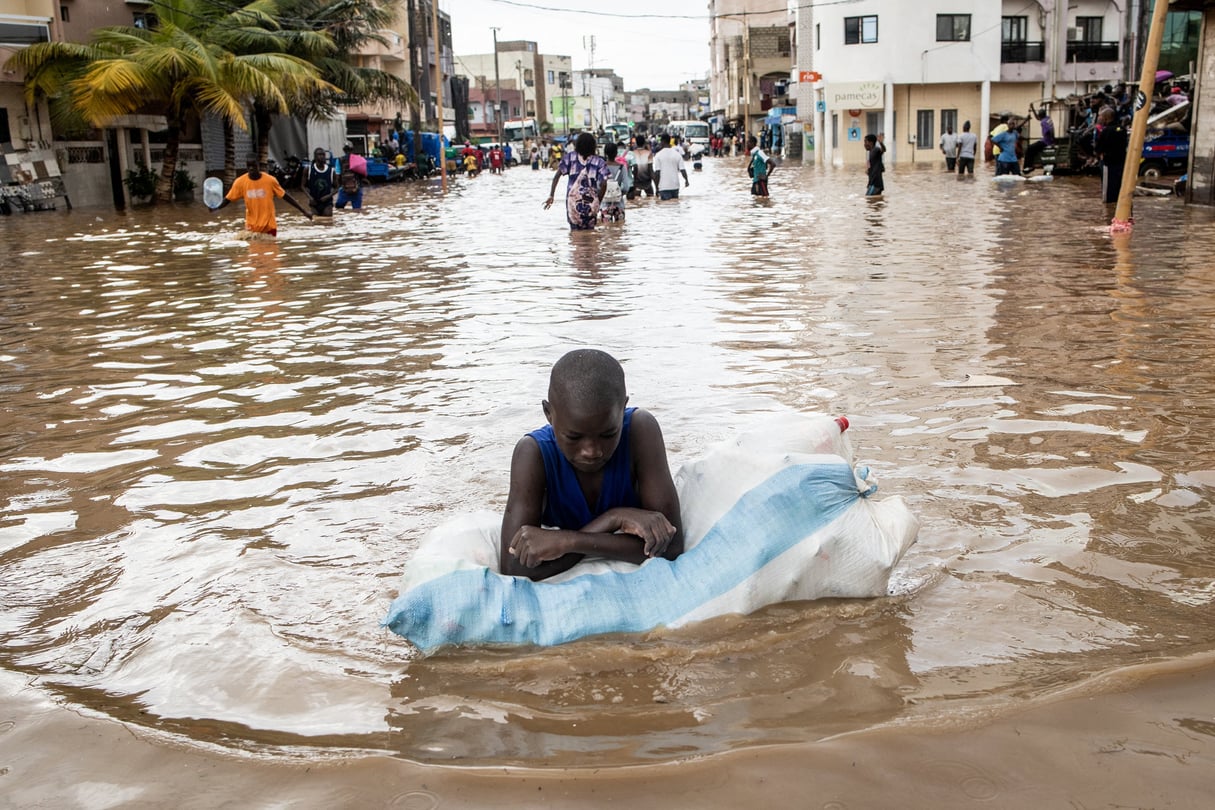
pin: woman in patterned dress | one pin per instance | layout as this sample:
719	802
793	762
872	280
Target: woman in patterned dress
588	174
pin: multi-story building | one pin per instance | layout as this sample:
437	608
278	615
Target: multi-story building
750	53
490	108
558	84
912	69
23	23
637	105
604	92
31	166
419	34
519	66
672	105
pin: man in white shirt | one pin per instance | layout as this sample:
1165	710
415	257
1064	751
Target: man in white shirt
967	146
668	166
949	148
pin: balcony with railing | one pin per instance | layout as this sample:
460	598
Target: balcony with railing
1080	51
1022	52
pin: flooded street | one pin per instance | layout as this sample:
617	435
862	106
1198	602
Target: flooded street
219	457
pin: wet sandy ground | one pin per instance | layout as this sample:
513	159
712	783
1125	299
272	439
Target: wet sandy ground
1150	744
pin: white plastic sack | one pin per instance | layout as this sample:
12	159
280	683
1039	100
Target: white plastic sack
776	515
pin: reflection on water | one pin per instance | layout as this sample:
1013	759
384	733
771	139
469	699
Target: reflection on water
220	455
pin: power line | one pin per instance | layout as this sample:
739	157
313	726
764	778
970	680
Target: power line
655	16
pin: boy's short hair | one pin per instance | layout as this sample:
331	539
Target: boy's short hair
587	376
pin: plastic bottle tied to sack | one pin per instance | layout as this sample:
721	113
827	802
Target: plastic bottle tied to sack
213	192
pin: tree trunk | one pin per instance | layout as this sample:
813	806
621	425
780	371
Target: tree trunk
229	152
164	183
263	119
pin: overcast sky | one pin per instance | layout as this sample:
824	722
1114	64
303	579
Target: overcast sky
650	43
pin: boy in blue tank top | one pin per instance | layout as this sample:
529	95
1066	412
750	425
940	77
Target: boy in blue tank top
594	480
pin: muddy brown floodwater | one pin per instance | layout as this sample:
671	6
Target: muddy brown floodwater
218	457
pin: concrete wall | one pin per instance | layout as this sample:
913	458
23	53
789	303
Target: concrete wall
1201	185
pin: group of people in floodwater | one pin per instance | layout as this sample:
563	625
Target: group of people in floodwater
599	186
327	182
1098	129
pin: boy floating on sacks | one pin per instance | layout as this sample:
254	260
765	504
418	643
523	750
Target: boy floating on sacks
594	481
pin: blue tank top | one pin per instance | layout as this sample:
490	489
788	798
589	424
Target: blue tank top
565	506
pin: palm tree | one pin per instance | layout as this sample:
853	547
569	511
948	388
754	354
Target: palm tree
351	25
178	69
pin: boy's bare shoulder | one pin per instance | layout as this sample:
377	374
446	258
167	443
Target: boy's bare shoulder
644	419
645	429
527	446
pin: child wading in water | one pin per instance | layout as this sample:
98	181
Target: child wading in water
619	181
594	480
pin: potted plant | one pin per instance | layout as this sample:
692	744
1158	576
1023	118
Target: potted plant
140	183
183	184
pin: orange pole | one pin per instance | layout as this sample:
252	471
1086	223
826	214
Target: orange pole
1123	221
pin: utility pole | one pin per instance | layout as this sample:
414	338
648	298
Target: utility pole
522	92
1122	222
498	84
590	67
746	76
415	112
434	21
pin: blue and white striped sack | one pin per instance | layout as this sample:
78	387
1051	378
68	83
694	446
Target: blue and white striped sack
777	515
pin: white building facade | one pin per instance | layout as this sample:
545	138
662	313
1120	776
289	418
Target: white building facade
910	70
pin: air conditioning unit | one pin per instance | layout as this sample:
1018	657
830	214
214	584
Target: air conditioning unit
1075	34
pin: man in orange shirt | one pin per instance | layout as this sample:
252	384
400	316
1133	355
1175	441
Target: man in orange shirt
258	190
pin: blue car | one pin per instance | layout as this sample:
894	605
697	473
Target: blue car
1164	154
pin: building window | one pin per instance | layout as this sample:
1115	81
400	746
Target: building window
1015	29
5	135
528	77
953	28
818	36
141	19
65	14
551	78
835	130
1085	43
860	30
1015	46
873	123
1089	28
20	33
925	136
949	120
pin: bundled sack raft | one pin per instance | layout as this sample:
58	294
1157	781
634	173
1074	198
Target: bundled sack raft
776	515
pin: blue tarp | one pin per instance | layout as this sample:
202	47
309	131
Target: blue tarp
430	145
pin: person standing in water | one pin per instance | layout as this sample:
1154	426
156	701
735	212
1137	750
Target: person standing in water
668	167
321	183
588	175
597	474
968	144
874	150
258	190
759	167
